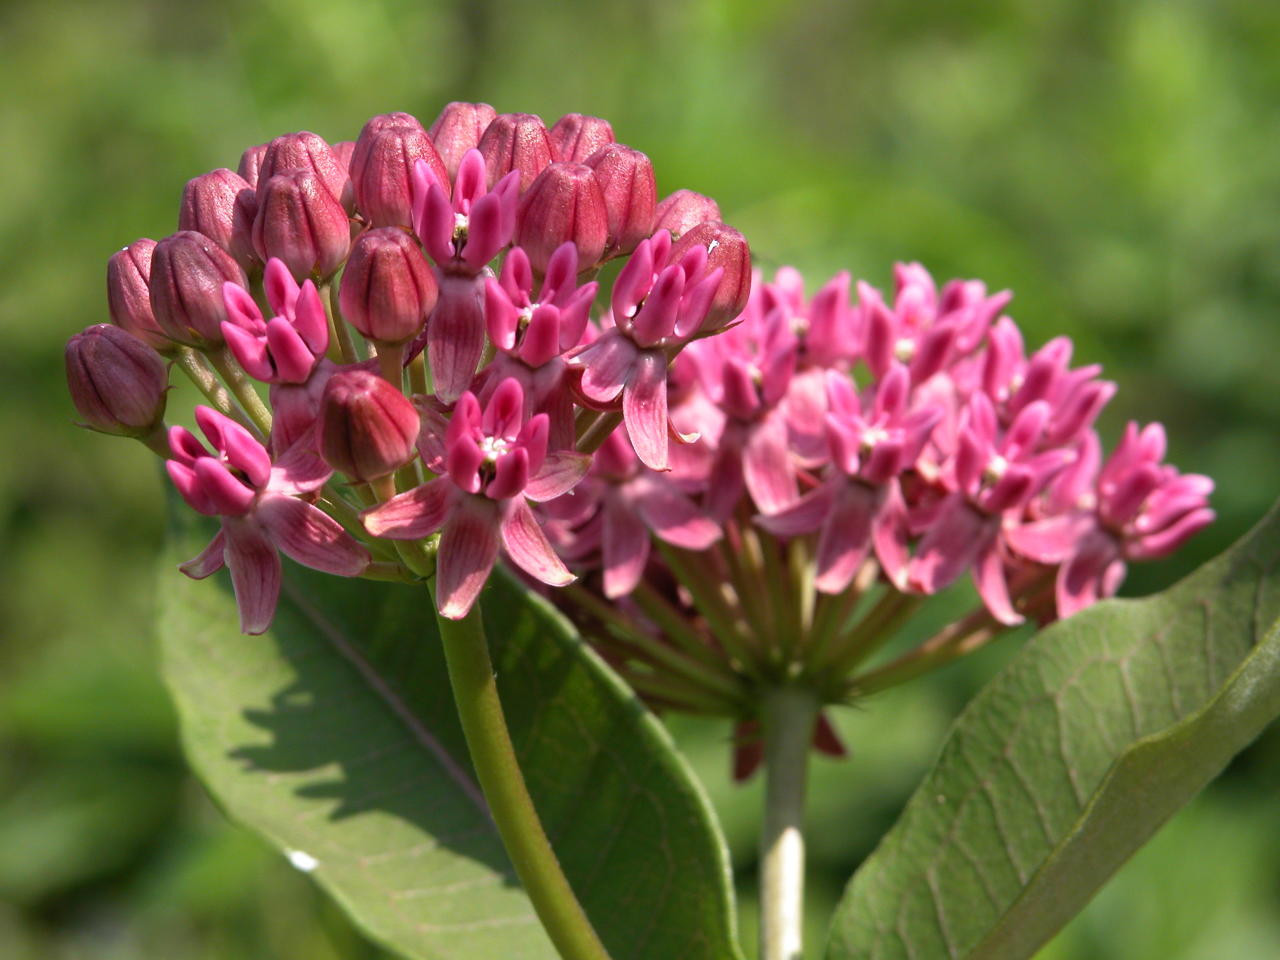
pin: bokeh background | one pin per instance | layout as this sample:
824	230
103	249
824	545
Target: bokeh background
1117	164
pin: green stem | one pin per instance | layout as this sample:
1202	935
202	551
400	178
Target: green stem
241	387
952	642
591	439
708	597
339	333
198	371
494	758
788	717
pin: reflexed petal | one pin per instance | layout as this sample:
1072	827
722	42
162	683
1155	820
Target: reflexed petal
625	549
414	514
890	534
606	365
957	535
805	515
310	536
455	335
209	561
299	470
846	536
767	466
644	409
672	516
993	587
1081	579
255	573
561	471
468	551
528	548
1050	540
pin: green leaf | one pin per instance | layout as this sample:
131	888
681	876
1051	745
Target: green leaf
1063	766
334	736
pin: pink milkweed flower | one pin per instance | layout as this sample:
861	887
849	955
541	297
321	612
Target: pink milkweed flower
994	475
531	335
922	330
1134	508
860	505
494	462
461	235
261	513
286	348
1013	381
635	503
656	308
746	371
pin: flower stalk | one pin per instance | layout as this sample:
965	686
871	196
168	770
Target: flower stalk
475	692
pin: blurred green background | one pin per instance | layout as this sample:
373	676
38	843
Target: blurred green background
1117	165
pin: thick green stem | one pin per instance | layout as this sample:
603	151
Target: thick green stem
342	349
198	371
597	432
241	388
480	710
788	718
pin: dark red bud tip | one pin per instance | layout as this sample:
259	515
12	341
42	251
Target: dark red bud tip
221	204
516	141
299	222
563	205
306	151
382	163
727	250
388	288
187	273
117	382
129	293
630	195
457	130
577	136
682	211
368	428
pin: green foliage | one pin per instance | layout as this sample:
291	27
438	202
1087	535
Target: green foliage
1088	741
335	736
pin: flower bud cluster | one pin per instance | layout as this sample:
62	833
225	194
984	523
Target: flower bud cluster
416	306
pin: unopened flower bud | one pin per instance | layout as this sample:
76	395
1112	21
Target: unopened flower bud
368	428
727	250
187	273
516	141
563	205
630	195
299	222
387	288
344	150
117	382
381	166
457	130
129	294
577	136
251	163
682	211
307	151
220	204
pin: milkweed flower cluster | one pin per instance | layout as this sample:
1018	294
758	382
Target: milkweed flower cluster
732	484
851	454
416	307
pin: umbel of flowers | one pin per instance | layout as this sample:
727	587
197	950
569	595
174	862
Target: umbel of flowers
739	492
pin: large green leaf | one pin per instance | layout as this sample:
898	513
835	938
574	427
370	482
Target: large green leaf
1088	741
334	736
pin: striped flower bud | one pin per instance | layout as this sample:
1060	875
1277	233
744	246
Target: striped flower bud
630	195
683	210
129	293
117	382
381	165
300	223
726	250
187	273
577	136
221	204
387	288
368	428
563	205
307	151
458	129
516	141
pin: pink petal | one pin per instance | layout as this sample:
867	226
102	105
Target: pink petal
993	587
310	320
806	515
255	573
299	470
767	466
625	548
644	409
890	535
542	337
846	536
1050	540
310	536
501	317
242	309
414	514
209	561
958	534
510	475
468	551
280	287
293	359
561	471
227	495
455	335
606	365
672	516
1080	581
528	548
189	488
